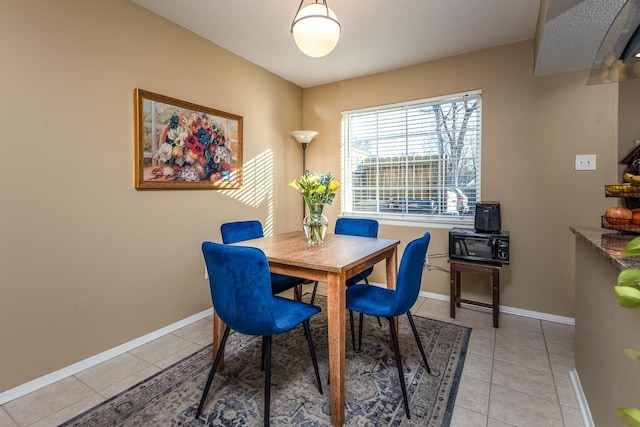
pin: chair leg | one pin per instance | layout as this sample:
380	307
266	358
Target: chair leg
396	348
353	333
415	334
361	321
264	338
296	293
219	353
267	380
315	289
307	332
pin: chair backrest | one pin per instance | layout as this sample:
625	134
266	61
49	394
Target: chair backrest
233	232
240	286
362	227
410	275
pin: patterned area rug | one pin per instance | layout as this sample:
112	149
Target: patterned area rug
373	395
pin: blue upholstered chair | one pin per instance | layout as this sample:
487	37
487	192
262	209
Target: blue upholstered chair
387	303
362	227
239	231
241	294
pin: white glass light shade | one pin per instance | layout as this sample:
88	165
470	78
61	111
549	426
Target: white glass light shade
315	34
304	136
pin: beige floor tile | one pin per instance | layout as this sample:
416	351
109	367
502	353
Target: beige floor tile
521	409
521	338
463	417
160	348
561	364
523	379
6	420
511	321
179	355
69	412
437	305
558	330
479	326
562	346
564	388
478	367
571	417
481	344
495	423
200	332
525	356
46	401
475	313
425	311
112	371
473	394
128	381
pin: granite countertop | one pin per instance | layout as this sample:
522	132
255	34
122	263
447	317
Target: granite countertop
609	243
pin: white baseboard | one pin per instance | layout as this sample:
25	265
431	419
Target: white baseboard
503	308
510	310
583	406
58	375
48	379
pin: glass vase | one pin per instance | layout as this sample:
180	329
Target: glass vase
315	225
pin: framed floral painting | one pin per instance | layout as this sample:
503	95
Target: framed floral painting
180	145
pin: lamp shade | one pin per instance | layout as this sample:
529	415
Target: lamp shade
304	136
315	33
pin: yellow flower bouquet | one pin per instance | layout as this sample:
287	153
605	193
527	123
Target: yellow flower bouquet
317	189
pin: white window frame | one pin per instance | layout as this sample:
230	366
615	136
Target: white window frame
401	218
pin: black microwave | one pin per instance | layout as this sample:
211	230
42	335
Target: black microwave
470	245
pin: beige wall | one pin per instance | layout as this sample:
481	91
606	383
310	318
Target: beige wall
532	129
87	261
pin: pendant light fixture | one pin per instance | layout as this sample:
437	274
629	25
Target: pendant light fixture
315	29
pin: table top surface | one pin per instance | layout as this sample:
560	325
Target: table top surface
337	254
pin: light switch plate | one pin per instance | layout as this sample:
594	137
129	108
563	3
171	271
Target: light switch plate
585	162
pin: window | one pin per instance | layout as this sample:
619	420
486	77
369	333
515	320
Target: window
420	158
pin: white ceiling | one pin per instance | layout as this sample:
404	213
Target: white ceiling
381	35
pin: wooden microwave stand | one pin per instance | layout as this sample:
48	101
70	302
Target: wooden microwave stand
457	267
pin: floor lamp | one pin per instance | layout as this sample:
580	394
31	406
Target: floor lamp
304	137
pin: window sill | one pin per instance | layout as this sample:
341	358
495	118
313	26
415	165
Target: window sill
416	220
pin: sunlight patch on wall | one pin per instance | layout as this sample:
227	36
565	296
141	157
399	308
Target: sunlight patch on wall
257	186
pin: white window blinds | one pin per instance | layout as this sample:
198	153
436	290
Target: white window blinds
417	158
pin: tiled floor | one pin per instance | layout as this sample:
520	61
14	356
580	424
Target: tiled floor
516	375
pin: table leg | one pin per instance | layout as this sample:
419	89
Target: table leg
392	276
218	331
336	309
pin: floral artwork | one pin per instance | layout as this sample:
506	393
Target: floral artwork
182	145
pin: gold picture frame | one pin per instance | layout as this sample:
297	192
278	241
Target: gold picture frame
180	145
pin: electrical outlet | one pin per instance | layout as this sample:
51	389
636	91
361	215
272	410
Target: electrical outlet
585	162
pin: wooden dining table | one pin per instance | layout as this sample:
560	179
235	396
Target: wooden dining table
334	261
